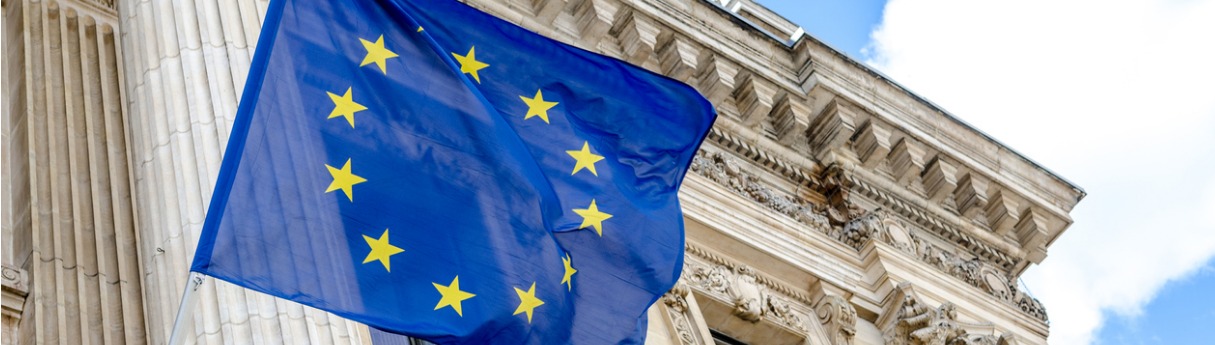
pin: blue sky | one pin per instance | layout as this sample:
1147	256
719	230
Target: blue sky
1114	95
1183	313
843	24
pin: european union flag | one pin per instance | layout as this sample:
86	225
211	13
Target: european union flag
433	171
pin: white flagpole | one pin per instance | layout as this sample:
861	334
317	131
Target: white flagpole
185	311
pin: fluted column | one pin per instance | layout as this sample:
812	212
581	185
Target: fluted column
74	232
186	64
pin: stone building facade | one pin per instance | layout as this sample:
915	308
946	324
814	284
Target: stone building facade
828	205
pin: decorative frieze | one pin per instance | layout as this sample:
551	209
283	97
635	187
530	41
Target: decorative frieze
729	173
980	275
775	164
929	221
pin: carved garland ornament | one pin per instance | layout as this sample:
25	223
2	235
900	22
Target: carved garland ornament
859	227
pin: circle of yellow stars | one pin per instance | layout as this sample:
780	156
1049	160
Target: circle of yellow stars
381	249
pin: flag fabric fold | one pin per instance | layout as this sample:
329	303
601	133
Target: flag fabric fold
433	171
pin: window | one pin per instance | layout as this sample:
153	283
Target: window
720	338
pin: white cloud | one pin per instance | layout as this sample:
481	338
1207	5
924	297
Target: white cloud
1118	96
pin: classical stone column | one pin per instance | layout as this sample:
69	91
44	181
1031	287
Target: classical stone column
186	63
69	225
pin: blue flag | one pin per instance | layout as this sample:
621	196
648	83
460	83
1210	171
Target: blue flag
433	171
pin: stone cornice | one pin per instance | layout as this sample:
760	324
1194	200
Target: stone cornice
773	163
991	249
929	220
987	273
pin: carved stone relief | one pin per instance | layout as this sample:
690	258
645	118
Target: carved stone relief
855	227
678	309
15	291
751	299
729	173
897	235
839	318
783	310
919	324
860	229
983	276
749	296
930	222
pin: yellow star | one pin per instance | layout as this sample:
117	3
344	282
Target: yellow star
469	63
452	296
569	273
377	53
537	106
345	106
419	29
584	158
344	179
592	217
381	250
527	302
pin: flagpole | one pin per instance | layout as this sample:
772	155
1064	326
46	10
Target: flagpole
185	311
